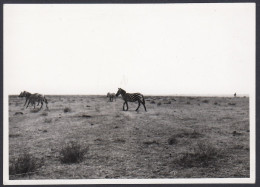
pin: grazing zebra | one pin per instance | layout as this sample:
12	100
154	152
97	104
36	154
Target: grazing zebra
37	98
111	96
131	97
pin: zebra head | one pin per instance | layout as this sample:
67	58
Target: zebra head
120	91
108	94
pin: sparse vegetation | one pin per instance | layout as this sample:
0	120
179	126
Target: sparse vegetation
67	109
149	144
203	155
72	152
47	120
24	164
172	140
44	114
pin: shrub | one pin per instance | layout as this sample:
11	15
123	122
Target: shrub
72	153
158	104
205	101
25	163
67	109
172	140
44	114
152	102
47	120
203	155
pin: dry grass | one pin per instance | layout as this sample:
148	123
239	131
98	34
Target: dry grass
127	144
25	163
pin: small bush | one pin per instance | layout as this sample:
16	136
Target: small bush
158	104
205	101
72	153
44	114
47	120
25	163
203	155
172	140
67	109
152	102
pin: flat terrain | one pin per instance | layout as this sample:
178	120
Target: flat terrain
178	137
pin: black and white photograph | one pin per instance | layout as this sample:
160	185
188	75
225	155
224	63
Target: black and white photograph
129	93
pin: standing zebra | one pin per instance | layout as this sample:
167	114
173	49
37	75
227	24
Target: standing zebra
111	96
37	98
33	98
131	97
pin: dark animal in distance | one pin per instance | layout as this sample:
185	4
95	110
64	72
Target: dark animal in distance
131	97
111	96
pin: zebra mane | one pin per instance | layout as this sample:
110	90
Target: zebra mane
122	91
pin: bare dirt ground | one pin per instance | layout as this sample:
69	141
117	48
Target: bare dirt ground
192	137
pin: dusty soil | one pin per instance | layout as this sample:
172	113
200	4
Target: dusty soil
164	142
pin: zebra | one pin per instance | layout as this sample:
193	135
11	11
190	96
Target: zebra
33	98
37	98
111	96
26	95
131	97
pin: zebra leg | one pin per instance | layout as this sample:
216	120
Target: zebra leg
126	106
41	105
144	107
138	105
25	102
28	103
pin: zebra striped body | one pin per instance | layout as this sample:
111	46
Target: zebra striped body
33	99
111	96
131	97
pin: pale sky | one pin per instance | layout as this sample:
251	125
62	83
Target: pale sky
158	49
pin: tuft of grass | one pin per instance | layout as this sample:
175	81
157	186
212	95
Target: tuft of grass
14	135
44	114
24	164
188	102
205	101
72	152
152	102
67	109
232	104
187	134
47	120
203	155
158	104
172	140
35	110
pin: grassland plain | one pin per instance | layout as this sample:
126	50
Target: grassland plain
178	137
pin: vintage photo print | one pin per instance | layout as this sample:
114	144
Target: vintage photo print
129	93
